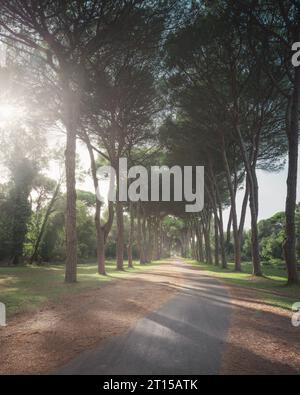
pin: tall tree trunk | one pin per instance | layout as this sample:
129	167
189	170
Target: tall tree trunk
216	234
150	240
221	231
292	130
131	236
184	241
206	232
222	240
100	236
196	243
70	217
193	245
254	229
160	240
200	242
144	239
100	246
237	246
140	234
243	211
156	238
120	236
218	213
253	200
207	246
228	231
119	218
250	174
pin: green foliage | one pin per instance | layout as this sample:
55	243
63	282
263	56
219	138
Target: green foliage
87	197
85	231
16	210
53	245
22	157
271	237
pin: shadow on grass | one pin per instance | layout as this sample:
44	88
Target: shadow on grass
25	288
272	287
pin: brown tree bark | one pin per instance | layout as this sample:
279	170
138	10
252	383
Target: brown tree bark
156	238
206	219
140	235
130	236
102	231
119	216
144	238
292	131
199	241
253	198
228	229
243	211
208	256
212	198
71	110
149	240
237	245
216	235
120	236
193	244
251	173
221	231
218	214
160	240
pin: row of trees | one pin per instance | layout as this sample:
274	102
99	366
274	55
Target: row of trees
237	99
271	234
170	82
94	59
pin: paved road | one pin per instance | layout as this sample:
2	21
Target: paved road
185	336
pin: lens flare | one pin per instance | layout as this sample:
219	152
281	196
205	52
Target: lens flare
8	113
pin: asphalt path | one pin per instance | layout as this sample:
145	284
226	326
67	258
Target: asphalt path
186	335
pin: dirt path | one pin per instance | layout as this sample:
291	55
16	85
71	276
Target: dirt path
40	342
188	311
262	339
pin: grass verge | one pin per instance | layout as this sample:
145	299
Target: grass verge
271	288
26	288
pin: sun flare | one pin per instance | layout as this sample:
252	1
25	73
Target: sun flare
9	113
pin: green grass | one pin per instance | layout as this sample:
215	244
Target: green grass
26	288
271	288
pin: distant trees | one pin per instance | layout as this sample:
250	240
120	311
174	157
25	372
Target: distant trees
47	196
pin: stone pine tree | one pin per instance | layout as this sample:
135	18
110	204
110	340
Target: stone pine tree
65	35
